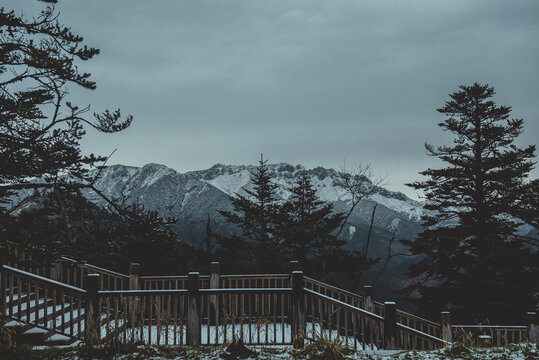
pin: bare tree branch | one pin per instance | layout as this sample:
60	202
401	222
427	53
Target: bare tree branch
359	183
389	256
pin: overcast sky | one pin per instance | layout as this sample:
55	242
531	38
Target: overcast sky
308	82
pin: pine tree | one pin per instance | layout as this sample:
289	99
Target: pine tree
471	261
254	215
308	226
40	128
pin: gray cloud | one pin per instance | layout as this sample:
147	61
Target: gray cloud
311	82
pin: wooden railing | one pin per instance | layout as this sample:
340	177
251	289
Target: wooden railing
492	335
83	301
197	316
153	317
361	329
225	281
334	292
170	282
74	272
19	257
330	318
62	269
404	318
254	281
255	315
43	303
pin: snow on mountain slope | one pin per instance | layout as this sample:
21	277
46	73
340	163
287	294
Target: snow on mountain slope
230	184
326	182
171	193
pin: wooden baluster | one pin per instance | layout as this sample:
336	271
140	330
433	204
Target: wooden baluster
54	309
19	297
62	310
82	312
71	310
11	289
28	296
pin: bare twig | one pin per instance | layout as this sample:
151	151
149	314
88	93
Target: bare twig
389	256
359	183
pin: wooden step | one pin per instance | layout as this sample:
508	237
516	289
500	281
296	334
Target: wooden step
59	339
16	327
34	336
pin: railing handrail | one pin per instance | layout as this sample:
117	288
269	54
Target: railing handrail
318	282
246	291
142	292
422	334
168	277
232	276
239	291
43	279
94	267
349	293
402	312
345	305
491	326
224	276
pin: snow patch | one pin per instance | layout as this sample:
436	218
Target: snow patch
352	231
230	184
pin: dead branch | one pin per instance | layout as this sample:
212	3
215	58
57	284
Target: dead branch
359	183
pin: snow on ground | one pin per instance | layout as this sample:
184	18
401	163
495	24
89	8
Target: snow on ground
524	351
270	334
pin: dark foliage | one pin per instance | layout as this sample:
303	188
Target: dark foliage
307	227
40	129
257	249
60	222
472	261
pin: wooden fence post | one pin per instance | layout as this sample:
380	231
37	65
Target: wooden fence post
390	325
298	311
193	319
92	326
134	274
447	333
368	304
134	302
55	271
3	284
214	284
533	328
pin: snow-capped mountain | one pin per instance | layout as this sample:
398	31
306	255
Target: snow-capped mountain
193	196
